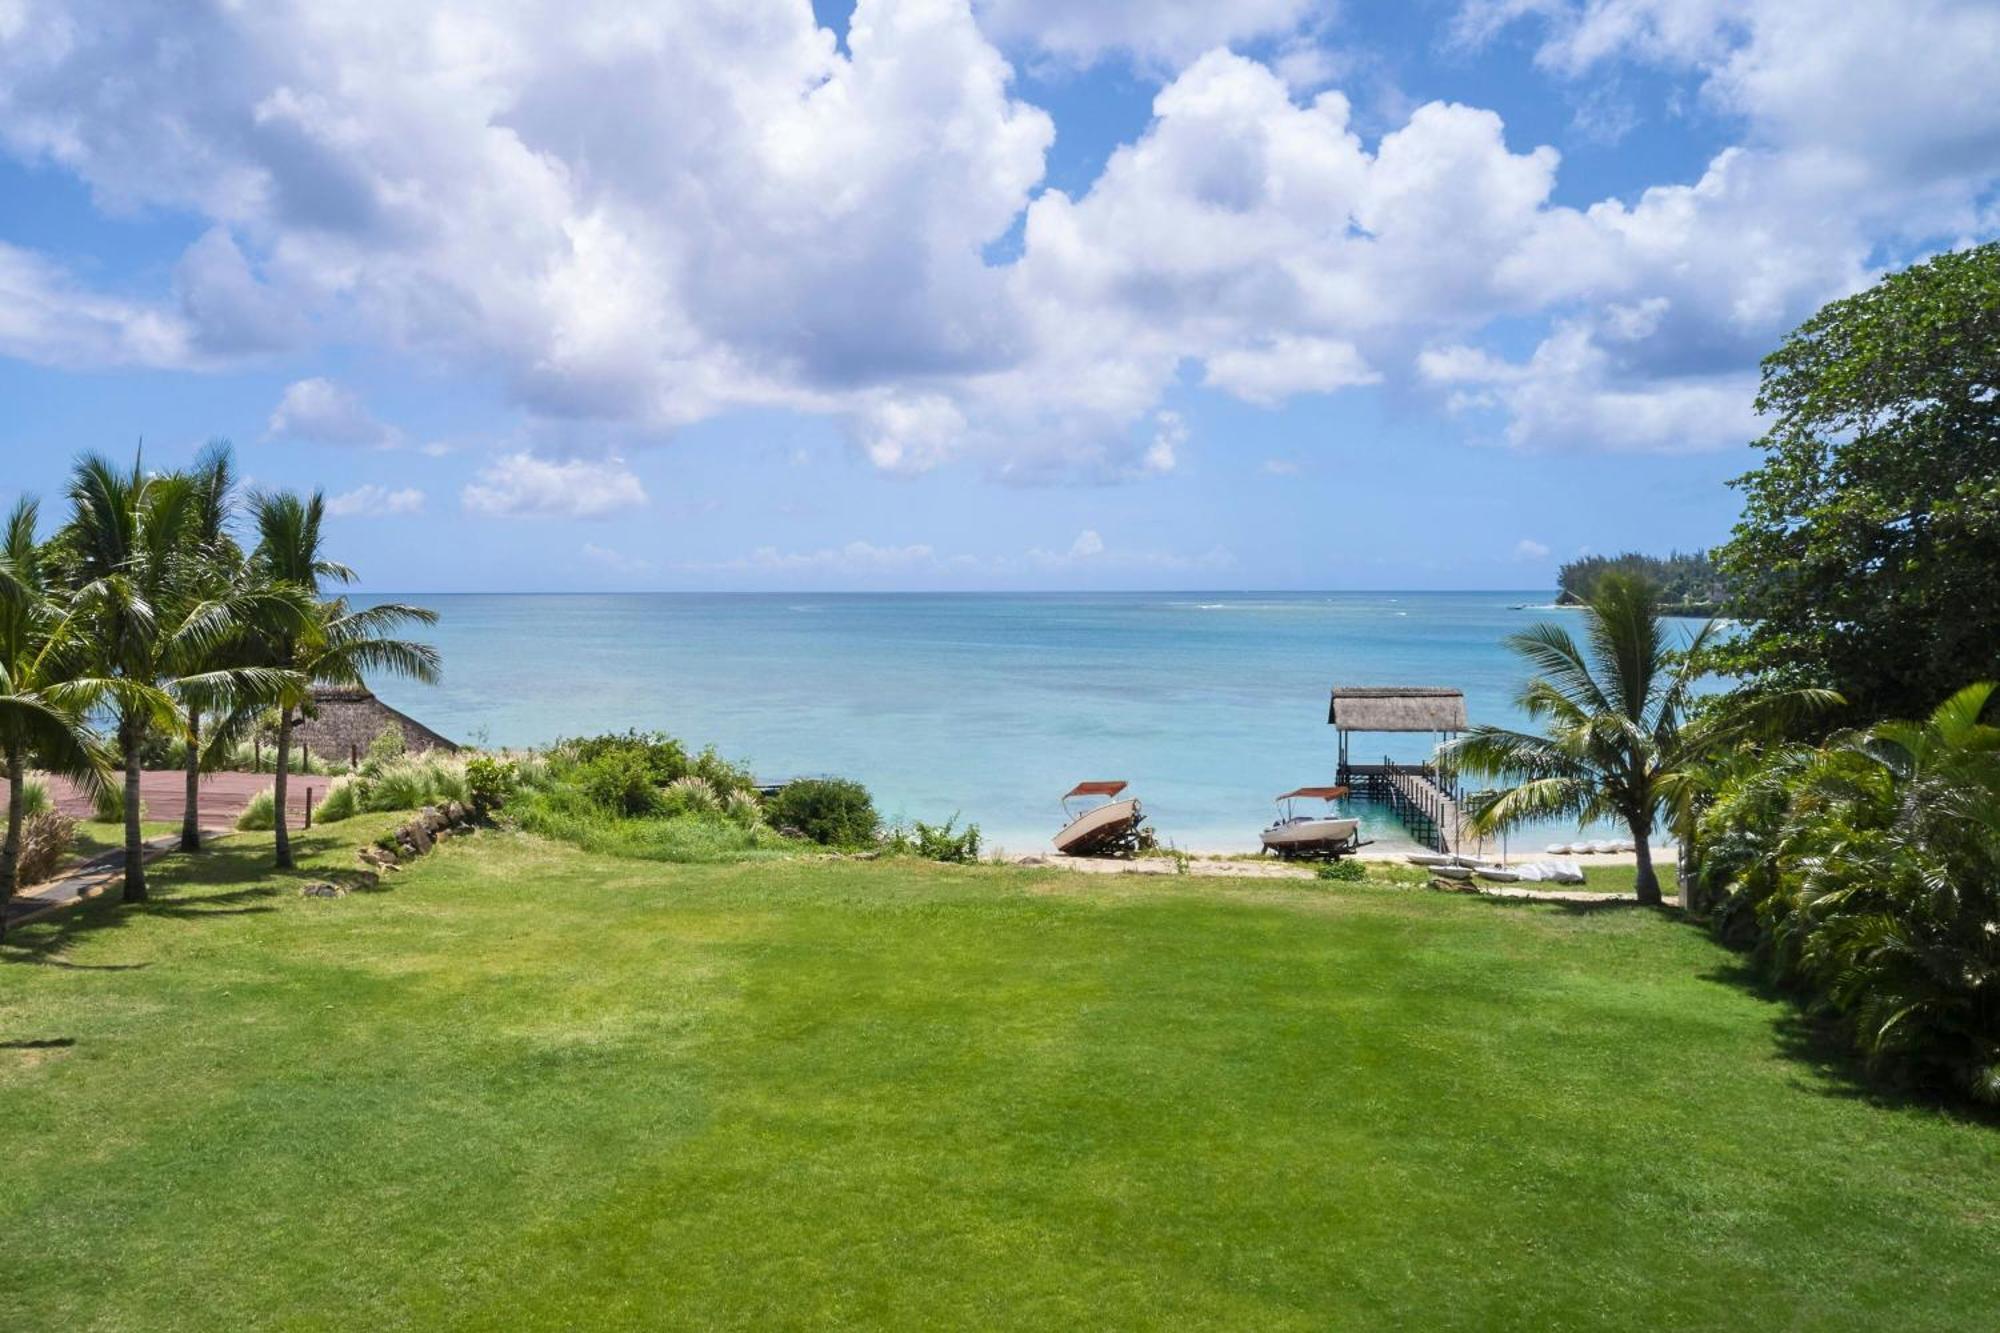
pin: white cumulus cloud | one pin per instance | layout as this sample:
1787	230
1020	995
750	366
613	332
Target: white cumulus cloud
370	500
524	485
319	411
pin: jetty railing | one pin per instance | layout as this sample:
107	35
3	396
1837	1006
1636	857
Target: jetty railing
1420	795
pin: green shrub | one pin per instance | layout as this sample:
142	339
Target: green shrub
108	806
1866	873
46	837
689	796
743	809
663	757
387	747
1347	871
565	815
414	781
35	798
619	782
343	801
941	842
834	812
489	781
260	815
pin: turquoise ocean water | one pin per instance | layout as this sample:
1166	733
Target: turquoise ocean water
989	706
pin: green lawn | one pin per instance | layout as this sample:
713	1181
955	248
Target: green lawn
526	1087
94	837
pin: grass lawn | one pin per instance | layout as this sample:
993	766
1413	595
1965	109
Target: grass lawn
94	837
524	1086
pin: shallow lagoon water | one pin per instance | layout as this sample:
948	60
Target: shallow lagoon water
988	706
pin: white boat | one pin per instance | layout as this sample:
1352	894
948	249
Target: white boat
1428	859
1331	835
1498	874
1453	872
1110	829
1557	849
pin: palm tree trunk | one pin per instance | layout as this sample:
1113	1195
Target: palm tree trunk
135	846
284	837
1648	880
10	851
191	816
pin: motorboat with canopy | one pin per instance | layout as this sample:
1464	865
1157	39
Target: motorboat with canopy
1108	829
1327	835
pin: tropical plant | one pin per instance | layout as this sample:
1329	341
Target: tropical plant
214	677
835	812
45	695
946	841
259	813
46	838
337	644
489	781
1868	871
1614	715
124	553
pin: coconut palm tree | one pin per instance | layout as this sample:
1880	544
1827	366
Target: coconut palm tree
43	698
1616	742
125	554
338	645
217	681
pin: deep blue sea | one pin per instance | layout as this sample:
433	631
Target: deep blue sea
988	706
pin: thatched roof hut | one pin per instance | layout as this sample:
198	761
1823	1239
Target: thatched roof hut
341	723
1397	708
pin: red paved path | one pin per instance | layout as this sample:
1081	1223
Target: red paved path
164	796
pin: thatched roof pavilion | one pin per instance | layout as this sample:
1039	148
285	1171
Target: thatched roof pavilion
1397	708
340	723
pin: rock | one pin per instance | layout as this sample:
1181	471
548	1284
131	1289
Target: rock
431	818
419	836
322	889
457	815
368	879
375	856
442	834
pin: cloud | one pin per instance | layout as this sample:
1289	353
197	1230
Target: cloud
46	317
524	485
372	501
1287	366
319	411
1087	544
1280	467
615	560
637	219
1530	549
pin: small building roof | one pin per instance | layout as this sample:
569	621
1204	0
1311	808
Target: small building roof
1396	708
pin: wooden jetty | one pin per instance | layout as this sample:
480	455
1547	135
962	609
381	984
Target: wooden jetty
1424	796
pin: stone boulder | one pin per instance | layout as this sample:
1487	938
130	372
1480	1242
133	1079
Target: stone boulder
321	889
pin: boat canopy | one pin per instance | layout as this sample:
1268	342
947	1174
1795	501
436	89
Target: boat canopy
1094	789
1316	793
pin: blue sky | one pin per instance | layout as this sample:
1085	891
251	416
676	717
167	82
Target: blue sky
922	294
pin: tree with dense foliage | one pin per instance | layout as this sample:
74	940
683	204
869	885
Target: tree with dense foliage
1868	552
336	644
44	695
1686	581
1868	871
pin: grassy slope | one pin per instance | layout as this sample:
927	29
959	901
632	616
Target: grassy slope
526	1087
